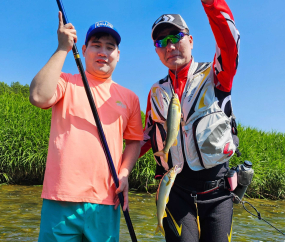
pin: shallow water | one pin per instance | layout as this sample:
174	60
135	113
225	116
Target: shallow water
20	208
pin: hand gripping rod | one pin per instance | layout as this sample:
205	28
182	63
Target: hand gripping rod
99	126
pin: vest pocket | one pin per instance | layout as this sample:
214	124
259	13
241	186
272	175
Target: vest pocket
213	139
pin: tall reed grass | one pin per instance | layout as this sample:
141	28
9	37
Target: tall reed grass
266	151
24	135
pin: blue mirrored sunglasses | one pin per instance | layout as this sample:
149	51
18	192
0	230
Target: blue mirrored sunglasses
173	38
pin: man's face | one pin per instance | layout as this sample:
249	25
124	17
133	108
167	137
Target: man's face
101	56
175	56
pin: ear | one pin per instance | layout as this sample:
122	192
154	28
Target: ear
118	58
191	41
83	50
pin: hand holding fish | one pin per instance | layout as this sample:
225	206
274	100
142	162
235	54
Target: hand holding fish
123	187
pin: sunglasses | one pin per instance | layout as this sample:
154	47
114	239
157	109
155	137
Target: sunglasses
173	38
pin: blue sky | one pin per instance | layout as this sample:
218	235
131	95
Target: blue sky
28	39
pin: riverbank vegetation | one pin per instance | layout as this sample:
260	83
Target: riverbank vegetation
24	135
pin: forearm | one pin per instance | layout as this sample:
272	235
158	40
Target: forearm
227	39
44	84
130	156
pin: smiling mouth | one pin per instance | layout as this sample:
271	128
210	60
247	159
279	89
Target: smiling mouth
101	61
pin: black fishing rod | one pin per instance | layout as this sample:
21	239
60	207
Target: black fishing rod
99	126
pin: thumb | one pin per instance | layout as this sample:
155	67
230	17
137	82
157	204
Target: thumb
119	189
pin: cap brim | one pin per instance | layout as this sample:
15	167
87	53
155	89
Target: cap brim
110	31
155	29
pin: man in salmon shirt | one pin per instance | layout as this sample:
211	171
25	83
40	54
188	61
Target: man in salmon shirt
200	206
79	196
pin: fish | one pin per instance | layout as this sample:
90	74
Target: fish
162	195
172	125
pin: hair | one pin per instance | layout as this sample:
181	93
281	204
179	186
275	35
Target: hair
187	31
99	35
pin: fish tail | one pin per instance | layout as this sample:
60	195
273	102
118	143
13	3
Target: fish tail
161	153
161	229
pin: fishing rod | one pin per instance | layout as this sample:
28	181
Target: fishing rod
99	126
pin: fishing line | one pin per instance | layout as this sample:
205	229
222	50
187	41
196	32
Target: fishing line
176	68
258	213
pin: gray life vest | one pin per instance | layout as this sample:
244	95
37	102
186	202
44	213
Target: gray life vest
205	136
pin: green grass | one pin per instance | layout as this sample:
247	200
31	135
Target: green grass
142	176
24	135
266	150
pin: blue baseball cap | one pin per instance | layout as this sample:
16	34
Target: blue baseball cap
103	26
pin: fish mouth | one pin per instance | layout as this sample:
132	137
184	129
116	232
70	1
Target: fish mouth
177	169
175	95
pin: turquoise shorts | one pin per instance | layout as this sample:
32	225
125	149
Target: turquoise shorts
77	222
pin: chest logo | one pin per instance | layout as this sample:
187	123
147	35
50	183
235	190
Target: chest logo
119	103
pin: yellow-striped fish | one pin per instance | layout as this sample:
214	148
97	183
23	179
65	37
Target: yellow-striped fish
172	125
162	195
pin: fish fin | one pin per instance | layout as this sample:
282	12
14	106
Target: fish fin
161	229
165	214
161	153
167	200
175	142
165	157
168	183
165	125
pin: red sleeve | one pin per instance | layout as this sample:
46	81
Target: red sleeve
227	43
145	144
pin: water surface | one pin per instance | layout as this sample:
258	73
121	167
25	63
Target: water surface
20	208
